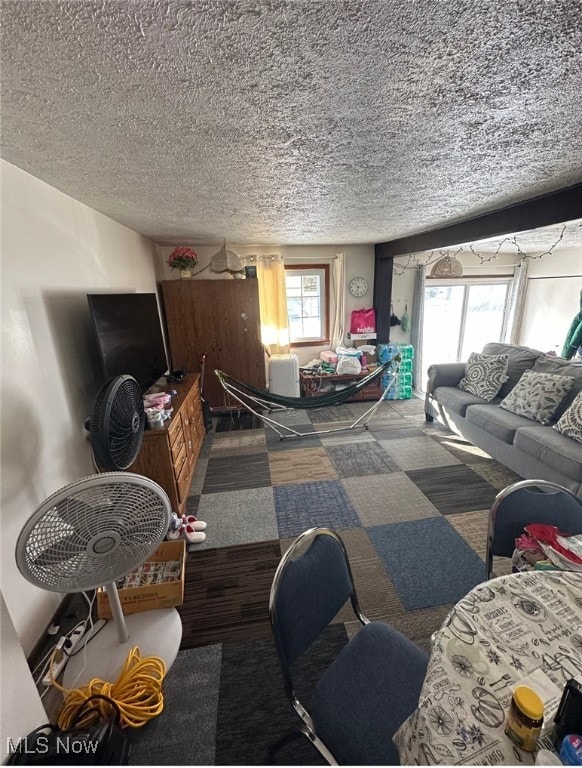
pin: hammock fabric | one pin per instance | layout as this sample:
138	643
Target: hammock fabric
317	401
261	399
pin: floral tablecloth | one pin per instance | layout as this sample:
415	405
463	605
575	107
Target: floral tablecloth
522	629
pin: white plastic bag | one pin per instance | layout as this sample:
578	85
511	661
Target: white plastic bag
348	364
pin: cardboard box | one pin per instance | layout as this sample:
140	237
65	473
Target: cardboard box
371	358
150	597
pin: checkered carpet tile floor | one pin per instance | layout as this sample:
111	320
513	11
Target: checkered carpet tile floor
410	500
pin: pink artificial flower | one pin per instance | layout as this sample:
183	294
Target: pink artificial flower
182	257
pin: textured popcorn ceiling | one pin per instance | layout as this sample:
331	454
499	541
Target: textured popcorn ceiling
316	121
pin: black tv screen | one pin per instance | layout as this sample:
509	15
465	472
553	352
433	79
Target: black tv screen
129	336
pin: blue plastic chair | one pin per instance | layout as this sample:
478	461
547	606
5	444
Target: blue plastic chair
372	686
526	502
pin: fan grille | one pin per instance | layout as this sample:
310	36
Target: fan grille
93	532
117	423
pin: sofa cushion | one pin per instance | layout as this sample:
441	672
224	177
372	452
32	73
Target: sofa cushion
547	445
563	367
455	399
501	424
570	423
537	395
484	375
520	359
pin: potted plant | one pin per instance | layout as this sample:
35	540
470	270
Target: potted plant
184	259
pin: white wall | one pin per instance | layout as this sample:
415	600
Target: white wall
402	292
22	709
536	321
54	251
359	262
552	299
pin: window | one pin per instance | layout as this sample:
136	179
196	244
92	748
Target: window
460	317
307	289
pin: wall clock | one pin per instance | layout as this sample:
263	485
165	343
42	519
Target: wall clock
358	286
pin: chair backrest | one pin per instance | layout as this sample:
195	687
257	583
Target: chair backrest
307	591
526	502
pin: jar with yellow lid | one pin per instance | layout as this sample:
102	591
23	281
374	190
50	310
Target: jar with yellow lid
525	718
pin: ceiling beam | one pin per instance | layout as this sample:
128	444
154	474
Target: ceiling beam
554	208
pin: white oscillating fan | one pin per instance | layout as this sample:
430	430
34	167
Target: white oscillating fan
92	533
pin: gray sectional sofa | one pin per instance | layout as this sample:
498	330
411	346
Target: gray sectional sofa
527	447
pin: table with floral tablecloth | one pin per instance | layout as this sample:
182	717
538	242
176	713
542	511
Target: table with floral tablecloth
525	628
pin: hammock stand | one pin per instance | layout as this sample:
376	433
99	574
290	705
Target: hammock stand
253	398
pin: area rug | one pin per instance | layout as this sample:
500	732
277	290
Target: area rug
410	500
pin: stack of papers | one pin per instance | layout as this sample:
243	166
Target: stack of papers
151	573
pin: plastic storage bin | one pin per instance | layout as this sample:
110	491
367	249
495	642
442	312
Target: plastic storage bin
284	375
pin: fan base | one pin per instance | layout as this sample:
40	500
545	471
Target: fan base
156	633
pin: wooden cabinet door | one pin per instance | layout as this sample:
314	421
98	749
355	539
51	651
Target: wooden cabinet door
219	318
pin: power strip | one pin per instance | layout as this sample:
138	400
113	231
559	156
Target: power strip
64	648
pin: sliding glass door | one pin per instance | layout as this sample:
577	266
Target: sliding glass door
460	317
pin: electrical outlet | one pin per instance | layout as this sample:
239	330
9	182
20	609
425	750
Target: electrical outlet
64	648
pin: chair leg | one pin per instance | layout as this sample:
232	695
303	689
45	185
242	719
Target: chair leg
489	567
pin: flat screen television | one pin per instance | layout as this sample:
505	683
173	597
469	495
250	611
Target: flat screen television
129	336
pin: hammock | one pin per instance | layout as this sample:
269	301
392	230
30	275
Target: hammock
253	398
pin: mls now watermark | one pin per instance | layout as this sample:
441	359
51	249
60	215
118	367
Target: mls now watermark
53	744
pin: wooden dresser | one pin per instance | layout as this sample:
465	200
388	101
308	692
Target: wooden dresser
168	455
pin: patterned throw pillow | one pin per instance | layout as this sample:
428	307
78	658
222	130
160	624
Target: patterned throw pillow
484	375
570	423
537	396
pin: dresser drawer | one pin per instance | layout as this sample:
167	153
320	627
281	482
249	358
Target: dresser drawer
372	392
175	429
184	478
178	446
180	462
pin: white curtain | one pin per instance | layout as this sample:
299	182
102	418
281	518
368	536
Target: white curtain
338	286
514	305
416	324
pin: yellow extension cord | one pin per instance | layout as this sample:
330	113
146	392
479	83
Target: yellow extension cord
137	692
